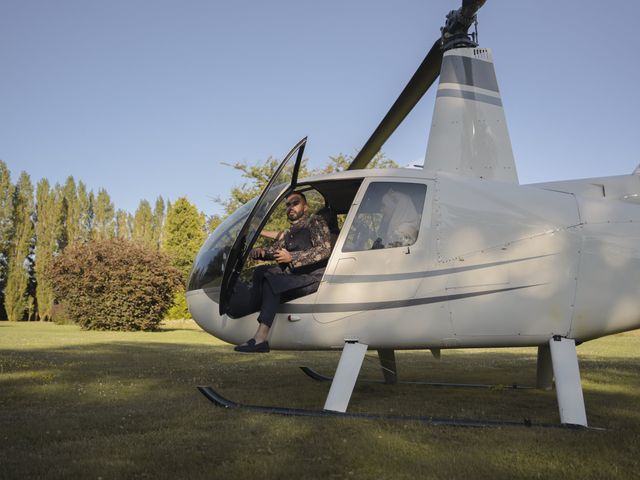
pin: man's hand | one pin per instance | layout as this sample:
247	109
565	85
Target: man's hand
257	253
283	256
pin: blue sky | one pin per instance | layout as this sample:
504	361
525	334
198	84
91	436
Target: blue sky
149	97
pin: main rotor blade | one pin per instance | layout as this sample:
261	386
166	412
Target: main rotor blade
471	7
424	77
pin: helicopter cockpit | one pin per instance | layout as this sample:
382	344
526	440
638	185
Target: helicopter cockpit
387	215
223	259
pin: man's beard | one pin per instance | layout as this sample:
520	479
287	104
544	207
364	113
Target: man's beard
296	218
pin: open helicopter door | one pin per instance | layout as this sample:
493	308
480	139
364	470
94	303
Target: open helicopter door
284	179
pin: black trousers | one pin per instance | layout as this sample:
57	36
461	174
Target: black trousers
268	288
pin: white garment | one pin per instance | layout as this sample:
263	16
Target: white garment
402	217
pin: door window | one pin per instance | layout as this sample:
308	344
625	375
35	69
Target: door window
388	217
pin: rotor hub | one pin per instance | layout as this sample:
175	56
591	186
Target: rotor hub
455	33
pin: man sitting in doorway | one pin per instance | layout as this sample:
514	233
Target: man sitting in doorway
301	252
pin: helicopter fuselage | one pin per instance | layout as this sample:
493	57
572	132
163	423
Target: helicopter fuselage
494	264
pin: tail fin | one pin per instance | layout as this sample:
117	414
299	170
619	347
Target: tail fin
469	133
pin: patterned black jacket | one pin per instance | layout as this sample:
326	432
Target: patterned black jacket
308	241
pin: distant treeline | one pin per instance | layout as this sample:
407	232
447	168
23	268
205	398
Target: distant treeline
38	224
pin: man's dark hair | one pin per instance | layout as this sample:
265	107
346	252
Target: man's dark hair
297	193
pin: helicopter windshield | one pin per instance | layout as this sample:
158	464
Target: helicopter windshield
226	248
208	267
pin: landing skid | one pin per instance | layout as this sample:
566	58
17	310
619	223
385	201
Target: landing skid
220	401
323	378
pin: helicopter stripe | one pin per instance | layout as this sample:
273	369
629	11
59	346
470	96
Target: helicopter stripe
424	274
412	302
468	71
478	97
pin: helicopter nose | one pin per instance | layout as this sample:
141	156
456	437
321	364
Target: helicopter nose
203	306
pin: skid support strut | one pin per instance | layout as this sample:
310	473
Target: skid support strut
388	363
544	378
567	375
346	376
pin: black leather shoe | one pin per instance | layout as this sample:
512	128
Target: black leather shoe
252	347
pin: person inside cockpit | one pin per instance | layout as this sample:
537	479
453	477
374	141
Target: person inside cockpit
301	251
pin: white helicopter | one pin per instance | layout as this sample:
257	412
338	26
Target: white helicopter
479	260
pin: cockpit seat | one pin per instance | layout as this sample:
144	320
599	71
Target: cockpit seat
331	217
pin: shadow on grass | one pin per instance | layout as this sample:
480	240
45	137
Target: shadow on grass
131	409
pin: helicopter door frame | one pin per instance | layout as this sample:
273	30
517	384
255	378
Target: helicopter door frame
256	220
347	270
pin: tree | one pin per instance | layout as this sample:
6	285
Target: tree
69	214
184	234
142	230
257	176
6	227
341	162
158	221
114	284
123	225
48	205
179	309
130	224
213	221
103	216
16	297
85	208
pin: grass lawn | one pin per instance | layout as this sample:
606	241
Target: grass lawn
124	405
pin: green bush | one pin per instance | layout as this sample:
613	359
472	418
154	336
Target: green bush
114	284
60	316
179	310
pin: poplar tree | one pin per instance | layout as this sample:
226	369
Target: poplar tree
103	216
130	225
182	237
123	227
69	214
143	224
184	234
6	203
48	204
85	208
158	221
16	297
